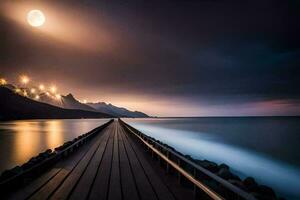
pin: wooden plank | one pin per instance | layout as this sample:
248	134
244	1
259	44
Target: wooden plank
67	165
100	185
159	186
128	185
69	183
33	186
46	190
145	188
82	188
171	180
114	192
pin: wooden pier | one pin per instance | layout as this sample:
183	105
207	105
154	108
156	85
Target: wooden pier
114	165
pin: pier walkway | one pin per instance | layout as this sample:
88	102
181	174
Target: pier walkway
112	166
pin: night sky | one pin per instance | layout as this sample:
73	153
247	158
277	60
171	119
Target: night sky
166	58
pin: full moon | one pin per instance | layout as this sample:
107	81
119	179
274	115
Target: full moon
36	18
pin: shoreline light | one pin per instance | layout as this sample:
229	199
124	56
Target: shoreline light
57	96
25	93
84	101
41	87
53	89
32	90
37	97
24	79
3	81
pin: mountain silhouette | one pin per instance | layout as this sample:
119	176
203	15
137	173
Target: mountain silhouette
70	102
116	111
14	106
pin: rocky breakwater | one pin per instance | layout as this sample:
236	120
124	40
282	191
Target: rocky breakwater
261	192
249	184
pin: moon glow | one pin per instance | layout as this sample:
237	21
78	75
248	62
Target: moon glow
36	18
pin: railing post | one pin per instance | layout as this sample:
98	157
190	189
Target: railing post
167	164
179	174
152	152
196	190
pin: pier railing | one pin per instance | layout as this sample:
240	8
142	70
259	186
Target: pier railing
206	184
58	154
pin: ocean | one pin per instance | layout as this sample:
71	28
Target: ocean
266	148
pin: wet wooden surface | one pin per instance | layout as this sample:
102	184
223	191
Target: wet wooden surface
113	166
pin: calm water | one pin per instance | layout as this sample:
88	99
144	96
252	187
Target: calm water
21	140
265	148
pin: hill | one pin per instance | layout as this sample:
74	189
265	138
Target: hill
14	106
116	111
70	102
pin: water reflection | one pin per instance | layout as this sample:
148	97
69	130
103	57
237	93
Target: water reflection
21	140
54	133
26	140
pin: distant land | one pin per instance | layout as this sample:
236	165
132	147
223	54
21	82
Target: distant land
70	102
116	111
14	106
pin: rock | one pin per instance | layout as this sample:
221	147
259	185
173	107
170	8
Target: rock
267	191
27	165
33	160
226	174
10	173
211	166
250	184
223	166
48	151
188	157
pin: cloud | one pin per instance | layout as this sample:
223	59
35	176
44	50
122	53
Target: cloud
188	54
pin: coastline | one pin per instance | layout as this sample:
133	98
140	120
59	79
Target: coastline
248	184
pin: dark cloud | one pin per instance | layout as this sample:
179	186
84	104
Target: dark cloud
210	51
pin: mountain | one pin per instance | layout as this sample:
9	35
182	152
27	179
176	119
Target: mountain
116	111
71	103
14	106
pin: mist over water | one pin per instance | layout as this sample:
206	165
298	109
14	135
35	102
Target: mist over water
264	148
23	139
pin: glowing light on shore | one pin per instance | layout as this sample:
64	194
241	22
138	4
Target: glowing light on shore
37	97
25	93
57	96
48	94
32	90
84	101
18	90
3	81
24	79
41	87
53	89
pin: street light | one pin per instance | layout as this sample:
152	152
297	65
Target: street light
41	87
24	79
57	96
3	81
53	89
